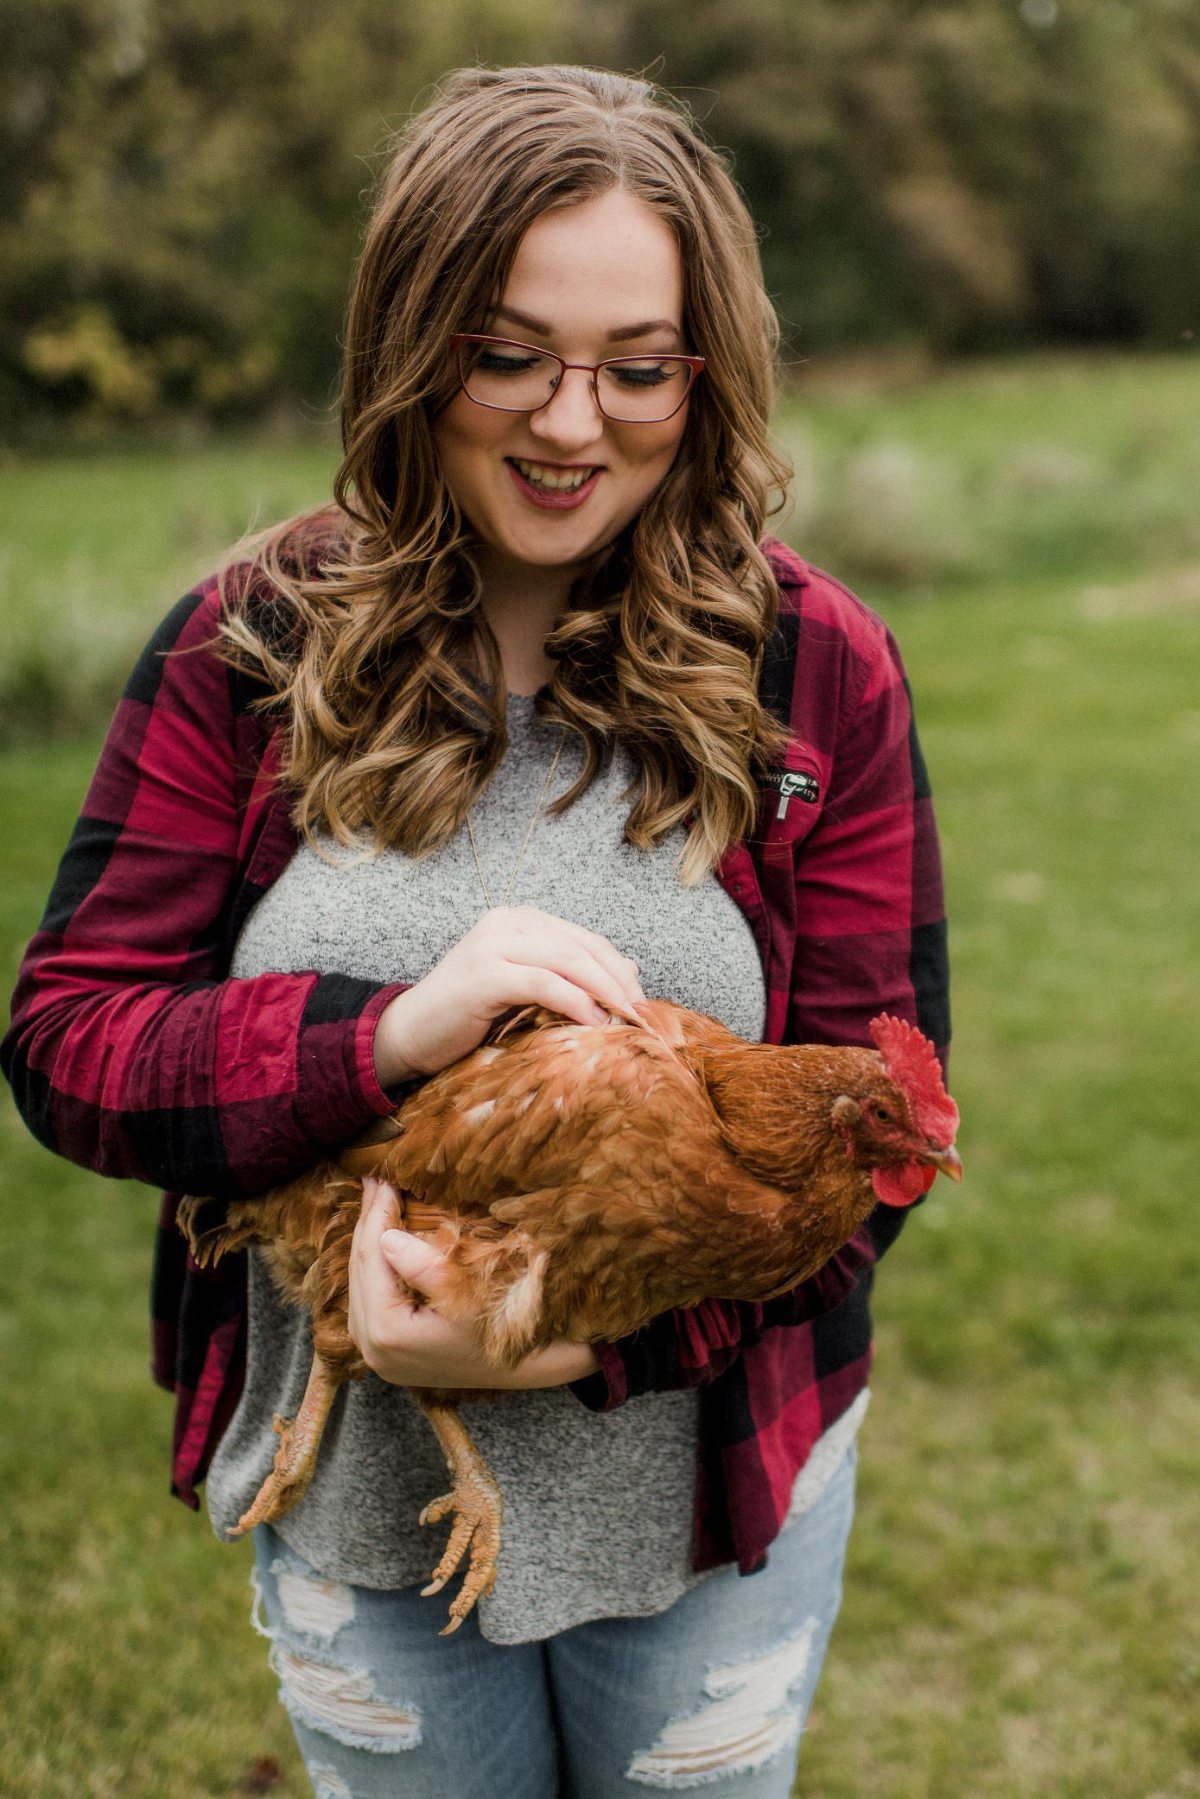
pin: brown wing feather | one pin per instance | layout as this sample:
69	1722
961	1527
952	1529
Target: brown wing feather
534	1112
578	1164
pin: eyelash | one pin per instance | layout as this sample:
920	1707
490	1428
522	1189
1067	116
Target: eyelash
497	363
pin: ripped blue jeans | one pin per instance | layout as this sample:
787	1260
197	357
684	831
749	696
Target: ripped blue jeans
713	1692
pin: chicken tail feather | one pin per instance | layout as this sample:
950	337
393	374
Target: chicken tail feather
209	1241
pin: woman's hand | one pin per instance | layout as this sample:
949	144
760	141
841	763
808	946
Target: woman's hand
514	956
414	1347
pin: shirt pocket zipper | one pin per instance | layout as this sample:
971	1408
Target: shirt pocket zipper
793	798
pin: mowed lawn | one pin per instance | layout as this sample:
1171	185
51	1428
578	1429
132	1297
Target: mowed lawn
1021	1614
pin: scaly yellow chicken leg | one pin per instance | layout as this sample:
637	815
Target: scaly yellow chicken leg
296	1457
474	1498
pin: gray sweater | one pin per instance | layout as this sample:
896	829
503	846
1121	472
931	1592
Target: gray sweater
598	1507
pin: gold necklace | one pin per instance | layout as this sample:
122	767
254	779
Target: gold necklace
512	879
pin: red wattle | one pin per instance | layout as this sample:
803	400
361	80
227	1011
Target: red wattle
901	1186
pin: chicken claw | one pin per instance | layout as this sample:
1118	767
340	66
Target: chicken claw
296	1457
474	1499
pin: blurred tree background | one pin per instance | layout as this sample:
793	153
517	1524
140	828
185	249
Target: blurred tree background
182	187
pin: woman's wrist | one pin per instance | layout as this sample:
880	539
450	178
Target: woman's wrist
557	1365
463	1365
392	1068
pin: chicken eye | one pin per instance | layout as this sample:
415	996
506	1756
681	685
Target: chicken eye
882	1114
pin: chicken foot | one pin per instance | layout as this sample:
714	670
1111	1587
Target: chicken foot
474	1498
296	1457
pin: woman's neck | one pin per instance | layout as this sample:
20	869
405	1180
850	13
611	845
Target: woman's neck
521	607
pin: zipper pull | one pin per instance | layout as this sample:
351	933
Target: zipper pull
789	786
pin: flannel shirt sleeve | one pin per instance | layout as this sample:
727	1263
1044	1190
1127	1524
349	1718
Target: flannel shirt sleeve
871	937
126	1052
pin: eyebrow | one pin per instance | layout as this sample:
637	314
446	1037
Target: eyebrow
620	336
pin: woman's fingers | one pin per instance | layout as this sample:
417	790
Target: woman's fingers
539	987
374	1290
514	956
571	955
380	1212
588	952
414	1345
623	968
418	1264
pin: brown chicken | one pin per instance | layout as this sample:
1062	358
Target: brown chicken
582	1180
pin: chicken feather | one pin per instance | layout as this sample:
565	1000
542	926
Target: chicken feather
581	1180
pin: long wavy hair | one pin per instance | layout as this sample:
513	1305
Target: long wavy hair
364	618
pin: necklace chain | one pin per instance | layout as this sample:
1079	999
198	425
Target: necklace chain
516	868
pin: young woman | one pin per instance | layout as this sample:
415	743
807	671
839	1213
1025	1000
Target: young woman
532	712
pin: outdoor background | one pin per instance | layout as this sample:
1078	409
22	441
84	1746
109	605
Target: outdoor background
981	224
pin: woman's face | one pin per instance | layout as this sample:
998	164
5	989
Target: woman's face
599	279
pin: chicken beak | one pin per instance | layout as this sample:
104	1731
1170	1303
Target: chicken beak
947	1161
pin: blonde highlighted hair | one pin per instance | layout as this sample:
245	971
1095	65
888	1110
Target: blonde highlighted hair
364	618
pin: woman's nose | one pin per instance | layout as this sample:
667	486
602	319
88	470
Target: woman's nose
571	417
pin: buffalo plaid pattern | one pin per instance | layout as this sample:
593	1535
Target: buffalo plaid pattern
133	1053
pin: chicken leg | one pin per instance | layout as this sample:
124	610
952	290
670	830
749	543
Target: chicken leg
296	1457
474	1498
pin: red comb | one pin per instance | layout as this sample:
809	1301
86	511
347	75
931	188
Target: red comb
912	1063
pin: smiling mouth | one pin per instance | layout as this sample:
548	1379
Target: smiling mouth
548	479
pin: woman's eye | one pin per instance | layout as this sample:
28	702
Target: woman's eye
495	362
642	374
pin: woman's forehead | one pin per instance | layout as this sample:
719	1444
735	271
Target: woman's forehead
607	265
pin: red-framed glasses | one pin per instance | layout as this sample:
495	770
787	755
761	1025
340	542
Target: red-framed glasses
516	377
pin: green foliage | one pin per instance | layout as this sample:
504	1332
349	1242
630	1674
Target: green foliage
984	471
94	550
182	187
184	191
963	176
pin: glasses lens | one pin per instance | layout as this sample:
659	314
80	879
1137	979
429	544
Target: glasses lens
511	376
641	389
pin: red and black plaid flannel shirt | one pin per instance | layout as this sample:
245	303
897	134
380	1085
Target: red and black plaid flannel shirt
132	1053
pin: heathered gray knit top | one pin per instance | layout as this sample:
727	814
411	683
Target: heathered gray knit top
598	1507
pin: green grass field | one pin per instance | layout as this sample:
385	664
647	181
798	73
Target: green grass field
1021	1613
